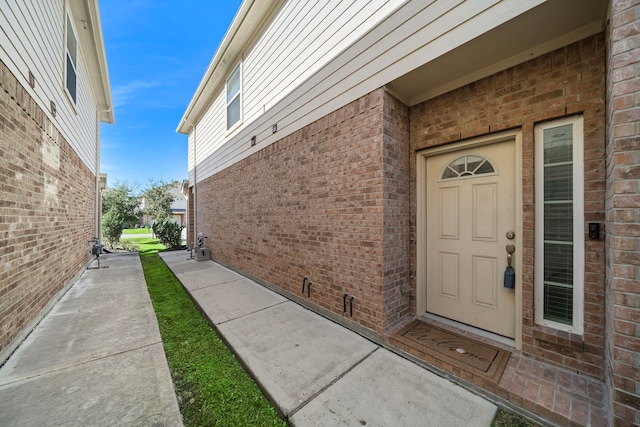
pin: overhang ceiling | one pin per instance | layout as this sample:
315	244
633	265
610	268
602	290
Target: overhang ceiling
543	29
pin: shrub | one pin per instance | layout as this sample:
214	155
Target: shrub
129	246
112	227
169	233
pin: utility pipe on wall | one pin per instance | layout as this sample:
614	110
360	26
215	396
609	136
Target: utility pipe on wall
98	207
195	186
195	183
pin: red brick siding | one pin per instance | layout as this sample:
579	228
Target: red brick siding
623	214
567	81
190	218
397	220
316	203
47	204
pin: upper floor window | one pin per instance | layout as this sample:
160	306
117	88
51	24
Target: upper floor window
559	224
234	96
71	58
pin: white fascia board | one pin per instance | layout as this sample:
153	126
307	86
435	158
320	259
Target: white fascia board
86	15
248	20
106	107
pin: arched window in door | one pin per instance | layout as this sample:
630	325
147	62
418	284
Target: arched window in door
468	166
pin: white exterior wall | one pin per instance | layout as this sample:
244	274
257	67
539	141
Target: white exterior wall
295	72
32	38
303	37
300	40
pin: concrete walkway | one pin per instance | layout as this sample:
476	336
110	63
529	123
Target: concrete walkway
95	360
317	372
136	236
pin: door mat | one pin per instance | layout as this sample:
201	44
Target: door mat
462	352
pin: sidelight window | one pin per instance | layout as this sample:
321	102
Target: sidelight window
559	224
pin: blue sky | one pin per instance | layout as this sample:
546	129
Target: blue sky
157	52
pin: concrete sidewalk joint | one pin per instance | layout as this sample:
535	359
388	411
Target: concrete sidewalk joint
96	359
316	371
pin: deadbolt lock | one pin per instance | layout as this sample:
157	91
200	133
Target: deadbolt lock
511	235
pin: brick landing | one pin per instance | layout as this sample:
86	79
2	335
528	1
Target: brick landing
540	391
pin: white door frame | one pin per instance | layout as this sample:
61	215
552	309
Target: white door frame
421	217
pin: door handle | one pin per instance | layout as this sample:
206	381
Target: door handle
510	249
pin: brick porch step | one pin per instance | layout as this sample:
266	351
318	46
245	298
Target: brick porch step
556	395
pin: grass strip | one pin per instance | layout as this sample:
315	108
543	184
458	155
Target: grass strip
144	245
212	387
509	419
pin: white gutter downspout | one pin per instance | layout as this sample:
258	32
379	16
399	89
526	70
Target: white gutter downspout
195	184
98	215
195	188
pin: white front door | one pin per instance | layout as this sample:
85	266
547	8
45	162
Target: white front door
470	210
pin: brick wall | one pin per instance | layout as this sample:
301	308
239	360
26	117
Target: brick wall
47	203
190	218
623	213
398	246
316	204
567	81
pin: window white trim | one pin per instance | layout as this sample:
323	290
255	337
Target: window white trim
235	98
70	57
578	224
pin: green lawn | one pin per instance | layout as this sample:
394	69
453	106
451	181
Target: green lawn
212	387
137	231
146	245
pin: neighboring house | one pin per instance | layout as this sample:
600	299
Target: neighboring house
54	93
178	207
391	150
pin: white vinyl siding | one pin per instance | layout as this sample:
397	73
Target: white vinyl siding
32	38
300	41
559	222
338	52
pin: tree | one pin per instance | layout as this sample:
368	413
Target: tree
158	200
123	201
119	208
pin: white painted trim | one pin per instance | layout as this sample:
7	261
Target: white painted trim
421	233
519	232
421	217
578	224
